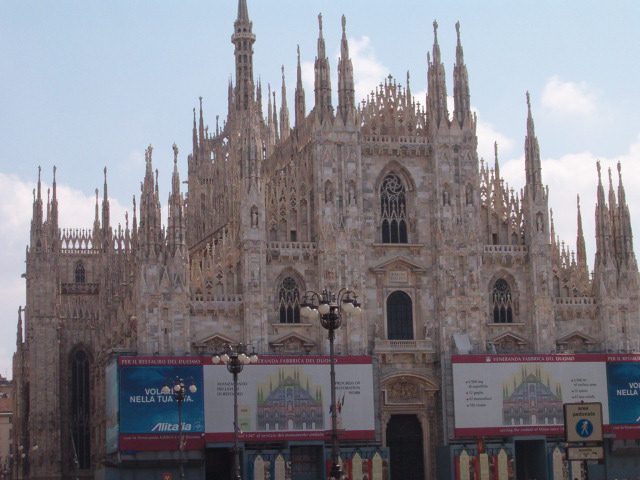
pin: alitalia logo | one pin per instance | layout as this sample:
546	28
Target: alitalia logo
171	427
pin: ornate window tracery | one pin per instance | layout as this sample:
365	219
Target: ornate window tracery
393	210
399	316
502	301
289	300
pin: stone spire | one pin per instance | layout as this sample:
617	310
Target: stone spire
323	105
53	215
195	134
19	335
176	231
243	39
37	216
300	107
201	128
284	111
533	166
461	96
581	251
106	213
150	229
437	86
346	89
275	117
259	99
624	234
603	226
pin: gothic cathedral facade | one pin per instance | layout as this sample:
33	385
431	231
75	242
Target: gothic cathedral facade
386	197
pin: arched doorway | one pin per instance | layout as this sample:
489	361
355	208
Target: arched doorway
404	439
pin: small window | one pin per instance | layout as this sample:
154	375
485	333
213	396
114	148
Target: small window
289	300
502	302
80	272
399	316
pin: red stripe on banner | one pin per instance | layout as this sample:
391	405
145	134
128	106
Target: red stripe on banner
510	430
556	358
153	441
283	435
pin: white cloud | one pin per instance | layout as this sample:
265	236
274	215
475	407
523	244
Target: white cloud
487	137
563	98
368	71
575	174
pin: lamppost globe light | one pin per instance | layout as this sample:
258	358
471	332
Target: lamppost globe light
177	387
193	388
357	311
324	308
347	306
242	357
215	359
225	358
305	311
253	358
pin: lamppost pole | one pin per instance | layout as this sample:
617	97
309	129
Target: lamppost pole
177	388
235	357
329	306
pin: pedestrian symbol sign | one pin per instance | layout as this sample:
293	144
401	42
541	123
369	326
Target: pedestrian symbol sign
583	422
584	428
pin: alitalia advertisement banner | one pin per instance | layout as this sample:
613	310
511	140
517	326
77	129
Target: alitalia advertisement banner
524	394
280	398
148	417
288	398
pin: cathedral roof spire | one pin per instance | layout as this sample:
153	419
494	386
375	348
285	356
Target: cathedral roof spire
284	110
150	220
603	225
436	83
461	96
19	336
300	107
532	152
243	11
195	133
322	78
106	216
53	216
176	226
201	127
581	250
37	215
346	89
624	234
243	39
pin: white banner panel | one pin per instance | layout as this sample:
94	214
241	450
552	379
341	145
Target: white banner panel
523	394
287	398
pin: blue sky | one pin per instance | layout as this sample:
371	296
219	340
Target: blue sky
89	84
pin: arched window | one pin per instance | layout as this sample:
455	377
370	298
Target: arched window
80	273
502	302
80	409
399	316
289	300
393	210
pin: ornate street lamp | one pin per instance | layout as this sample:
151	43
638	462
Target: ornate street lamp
235	357
176	387
328	306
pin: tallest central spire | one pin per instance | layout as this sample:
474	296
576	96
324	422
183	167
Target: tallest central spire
243	39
